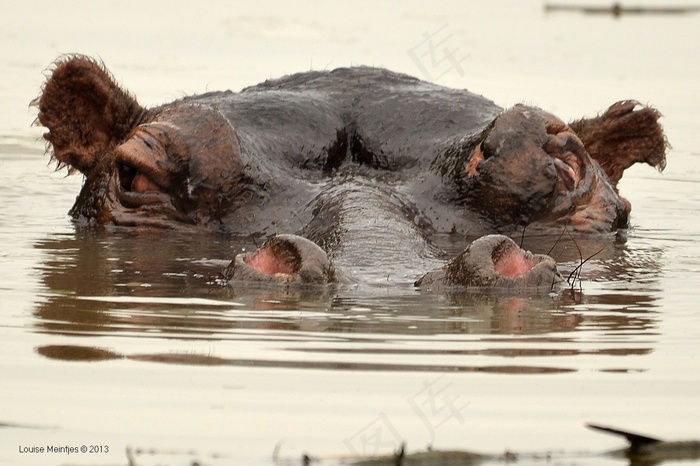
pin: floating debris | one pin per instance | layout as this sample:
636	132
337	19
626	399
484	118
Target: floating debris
617	9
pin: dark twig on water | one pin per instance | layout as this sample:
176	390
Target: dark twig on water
577	270
564	230
400	455
617	9
575	275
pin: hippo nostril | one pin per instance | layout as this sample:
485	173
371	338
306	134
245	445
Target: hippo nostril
512	261
275	257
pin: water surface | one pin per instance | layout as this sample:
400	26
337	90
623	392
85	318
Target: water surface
119	339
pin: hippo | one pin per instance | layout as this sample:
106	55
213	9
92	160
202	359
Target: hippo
351	165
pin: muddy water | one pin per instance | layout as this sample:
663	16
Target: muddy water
121	339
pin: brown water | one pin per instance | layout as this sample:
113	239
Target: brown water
116	339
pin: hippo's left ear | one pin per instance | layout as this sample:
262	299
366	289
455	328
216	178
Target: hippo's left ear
85	111
626	133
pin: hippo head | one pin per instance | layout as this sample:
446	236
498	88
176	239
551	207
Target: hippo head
529	168
140	167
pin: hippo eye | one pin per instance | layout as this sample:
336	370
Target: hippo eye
486	150
126	175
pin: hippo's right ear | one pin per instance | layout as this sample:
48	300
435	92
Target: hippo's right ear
85	111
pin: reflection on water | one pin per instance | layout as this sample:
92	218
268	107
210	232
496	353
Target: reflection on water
118	283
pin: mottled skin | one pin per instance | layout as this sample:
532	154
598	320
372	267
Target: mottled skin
300	154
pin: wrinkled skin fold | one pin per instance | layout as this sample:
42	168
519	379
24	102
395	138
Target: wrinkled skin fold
298	155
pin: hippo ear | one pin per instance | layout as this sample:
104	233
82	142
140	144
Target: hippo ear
626	133
85	111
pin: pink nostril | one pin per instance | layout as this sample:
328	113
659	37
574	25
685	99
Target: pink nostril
514	263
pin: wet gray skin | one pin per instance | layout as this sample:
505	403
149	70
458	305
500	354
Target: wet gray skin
297	154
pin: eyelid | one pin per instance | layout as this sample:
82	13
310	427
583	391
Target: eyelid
145	152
